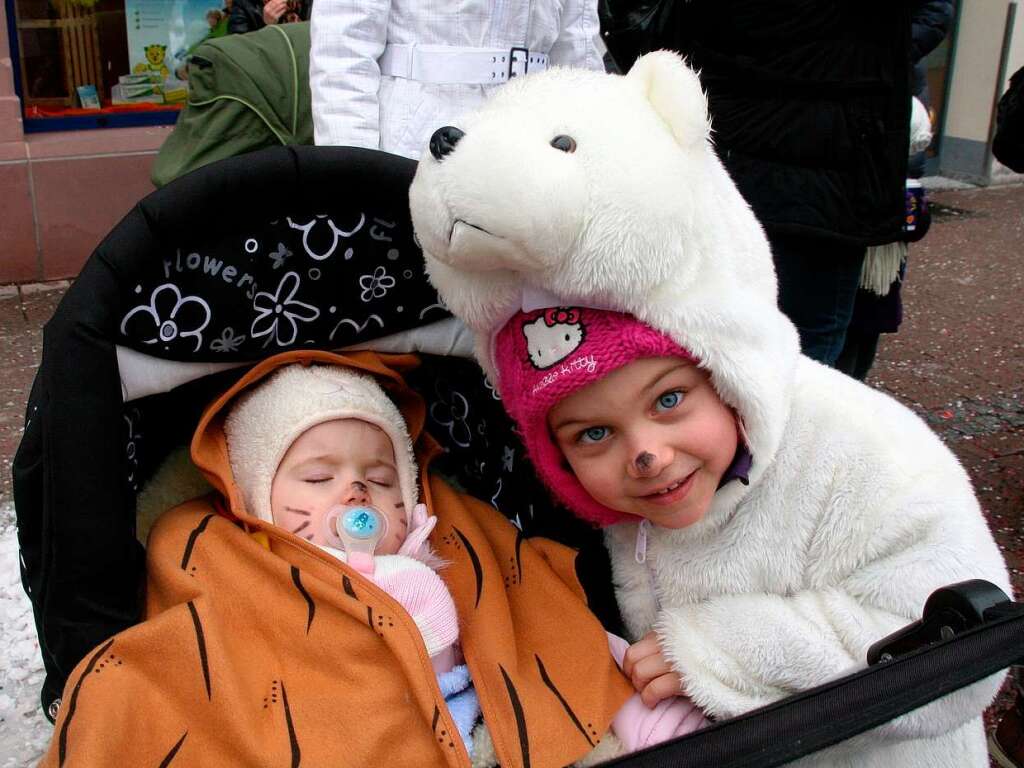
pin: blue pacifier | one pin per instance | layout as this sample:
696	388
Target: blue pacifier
358	529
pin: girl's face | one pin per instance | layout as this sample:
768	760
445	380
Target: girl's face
339	462
650	439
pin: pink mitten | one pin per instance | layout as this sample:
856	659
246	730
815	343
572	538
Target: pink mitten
420	526
424	596
638	727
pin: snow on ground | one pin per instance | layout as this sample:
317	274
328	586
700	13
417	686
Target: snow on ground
24	731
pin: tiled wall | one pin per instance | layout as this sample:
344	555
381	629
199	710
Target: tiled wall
61	192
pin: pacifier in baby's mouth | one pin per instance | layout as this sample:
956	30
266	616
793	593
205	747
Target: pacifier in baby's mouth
357	530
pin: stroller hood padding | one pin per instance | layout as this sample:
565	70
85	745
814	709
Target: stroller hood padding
286	248
246	92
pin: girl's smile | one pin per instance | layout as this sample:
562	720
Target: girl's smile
673	492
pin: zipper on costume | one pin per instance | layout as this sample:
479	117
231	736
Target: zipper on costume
640	550
640	554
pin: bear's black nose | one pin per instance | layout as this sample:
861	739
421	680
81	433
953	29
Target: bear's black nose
444	140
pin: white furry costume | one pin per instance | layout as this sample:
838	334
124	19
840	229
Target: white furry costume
855	511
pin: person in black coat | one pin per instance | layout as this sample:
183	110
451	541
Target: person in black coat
810	113
930	22
1008	143
250	15
873	315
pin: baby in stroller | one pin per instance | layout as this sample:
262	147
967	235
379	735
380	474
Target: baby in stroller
277	648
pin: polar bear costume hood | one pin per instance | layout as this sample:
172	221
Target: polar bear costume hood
640	217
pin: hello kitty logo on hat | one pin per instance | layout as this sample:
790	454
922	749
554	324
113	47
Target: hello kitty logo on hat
553	336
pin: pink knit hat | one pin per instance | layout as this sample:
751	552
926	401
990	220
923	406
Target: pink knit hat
544	356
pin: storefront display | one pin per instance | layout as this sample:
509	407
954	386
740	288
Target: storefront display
103	59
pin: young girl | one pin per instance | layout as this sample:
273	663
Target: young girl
768	518
748	571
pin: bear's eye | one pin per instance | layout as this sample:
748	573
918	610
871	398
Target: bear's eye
564	143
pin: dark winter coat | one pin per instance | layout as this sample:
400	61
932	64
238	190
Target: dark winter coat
930	22
810	106
1008	143
247	15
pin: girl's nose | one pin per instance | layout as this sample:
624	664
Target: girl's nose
357	493
648	461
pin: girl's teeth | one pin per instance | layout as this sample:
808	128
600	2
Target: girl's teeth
670	488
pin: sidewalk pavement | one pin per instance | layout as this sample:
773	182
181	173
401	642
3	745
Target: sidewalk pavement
958	360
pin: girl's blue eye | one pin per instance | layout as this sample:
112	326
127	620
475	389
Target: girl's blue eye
593	434
670	400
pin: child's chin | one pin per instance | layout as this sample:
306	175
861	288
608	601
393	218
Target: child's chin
676	519
677	522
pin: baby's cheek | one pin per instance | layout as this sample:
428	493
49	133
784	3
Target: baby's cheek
390	544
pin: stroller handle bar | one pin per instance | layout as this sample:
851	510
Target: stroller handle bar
968	631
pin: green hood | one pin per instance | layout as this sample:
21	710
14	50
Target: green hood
246	92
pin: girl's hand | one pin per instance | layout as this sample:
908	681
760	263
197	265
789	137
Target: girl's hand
652	676
274	10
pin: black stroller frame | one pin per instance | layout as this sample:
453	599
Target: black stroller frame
297	247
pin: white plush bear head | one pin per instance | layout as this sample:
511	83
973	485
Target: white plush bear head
605	191
573	174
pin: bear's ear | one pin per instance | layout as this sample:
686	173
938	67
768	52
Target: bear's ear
675	93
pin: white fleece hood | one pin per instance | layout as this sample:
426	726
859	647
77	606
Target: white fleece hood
640	217
267	418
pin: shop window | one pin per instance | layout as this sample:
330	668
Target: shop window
106	63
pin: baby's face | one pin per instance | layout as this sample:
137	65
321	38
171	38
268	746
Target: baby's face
339	462
650	439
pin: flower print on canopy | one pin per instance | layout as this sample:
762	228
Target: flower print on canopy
168	316
377	285
450	410
490	388
229	341
278	313
311	232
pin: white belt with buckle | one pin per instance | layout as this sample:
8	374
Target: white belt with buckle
458	64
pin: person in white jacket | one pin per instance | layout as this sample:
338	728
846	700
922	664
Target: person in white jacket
385	74
768	518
